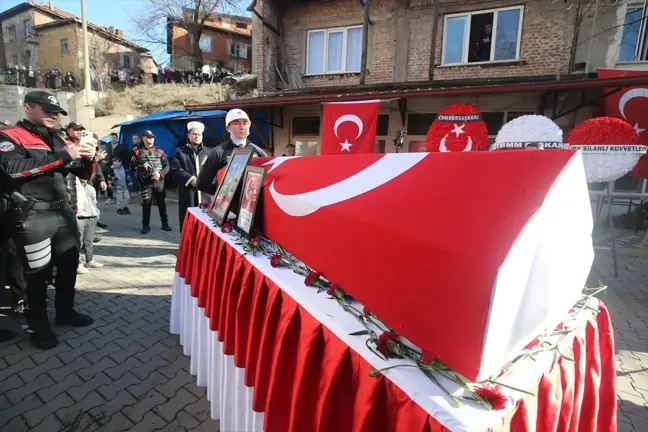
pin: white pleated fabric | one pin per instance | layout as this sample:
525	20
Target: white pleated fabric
230	398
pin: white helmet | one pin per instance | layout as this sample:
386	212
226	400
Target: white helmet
235	114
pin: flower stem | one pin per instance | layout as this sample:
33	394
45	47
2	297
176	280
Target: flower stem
530	393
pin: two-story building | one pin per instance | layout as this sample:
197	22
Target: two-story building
45	37
225	42
508	57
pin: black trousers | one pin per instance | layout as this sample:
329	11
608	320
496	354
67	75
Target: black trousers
187	197
45	239
148	191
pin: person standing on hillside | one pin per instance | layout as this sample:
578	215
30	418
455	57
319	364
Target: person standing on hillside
152	166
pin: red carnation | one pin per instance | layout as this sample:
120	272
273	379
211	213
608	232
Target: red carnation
366	311
493	396
311	278
384	341
255	241
572	311
332	289
275	260
427	357
534	343
560	325
226	228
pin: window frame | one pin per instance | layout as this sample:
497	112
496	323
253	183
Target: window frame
466	35
12	34
642	47
234	49
345	48
67	46
28	25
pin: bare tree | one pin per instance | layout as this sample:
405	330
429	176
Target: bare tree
160	16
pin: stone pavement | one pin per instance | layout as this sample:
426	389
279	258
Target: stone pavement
125	372
627	300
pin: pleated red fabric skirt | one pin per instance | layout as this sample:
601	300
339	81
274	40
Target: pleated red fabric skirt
306	379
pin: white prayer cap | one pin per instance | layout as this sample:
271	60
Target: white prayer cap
195	125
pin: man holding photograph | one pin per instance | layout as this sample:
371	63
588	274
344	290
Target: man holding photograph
237	124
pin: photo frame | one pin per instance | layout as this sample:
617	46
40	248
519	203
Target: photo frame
250	202
225	195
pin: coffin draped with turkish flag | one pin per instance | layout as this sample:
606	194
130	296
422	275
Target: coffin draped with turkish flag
468	255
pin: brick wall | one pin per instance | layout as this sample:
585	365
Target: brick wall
268	45
400	40
182	51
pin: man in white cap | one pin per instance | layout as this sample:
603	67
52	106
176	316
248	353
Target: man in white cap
186	165
237	123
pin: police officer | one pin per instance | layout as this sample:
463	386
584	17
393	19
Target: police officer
152	165
186	165
237	124
35	161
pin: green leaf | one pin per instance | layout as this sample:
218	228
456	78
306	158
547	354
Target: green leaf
359	333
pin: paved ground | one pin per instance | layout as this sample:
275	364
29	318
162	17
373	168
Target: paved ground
127	372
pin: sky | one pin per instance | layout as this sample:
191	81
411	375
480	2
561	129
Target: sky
116	13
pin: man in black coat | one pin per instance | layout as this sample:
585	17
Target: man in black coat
237	124
186	166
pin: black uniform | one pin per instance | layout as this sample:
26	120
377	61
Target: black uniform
36	163
185	165
217	159
159	163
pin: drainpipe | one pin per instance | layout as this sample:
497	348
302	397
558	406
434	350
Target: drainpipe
435	31
591	41
365	41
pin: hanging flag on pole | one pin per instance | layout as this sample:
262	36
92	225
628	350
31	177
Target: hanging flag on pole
349	127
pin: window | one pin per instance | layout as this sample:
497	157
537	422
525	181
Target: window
126	61
65	49
11	33
226	22
418	124
27	23
468	38
241	25
237	50
382	125
306	126
333	50
205	43
633	40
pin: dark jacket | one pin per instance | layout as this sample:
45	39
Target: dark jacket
217	159
121	152
38	167
157	160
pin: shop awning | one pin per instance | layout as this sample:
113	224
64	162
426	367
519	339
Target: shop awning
425	89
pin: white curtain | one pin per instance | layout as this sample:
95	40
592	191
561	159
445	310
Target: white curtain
354	49
315	52
335	46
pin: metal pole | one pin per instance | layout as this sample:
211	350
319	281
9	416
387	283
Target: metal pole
612	230
86	53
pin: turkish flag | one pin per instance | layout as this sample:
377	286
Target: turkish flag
469	281
349	127
631	105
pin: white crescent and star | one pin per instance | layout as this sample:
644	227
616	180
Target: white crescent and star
627	97
457	130
375	175
346	145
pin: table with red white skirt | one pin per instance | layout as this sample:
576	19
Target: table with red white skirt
276	355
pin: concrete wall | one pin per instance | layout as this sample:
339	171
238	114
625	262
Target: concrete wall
49	49
11	108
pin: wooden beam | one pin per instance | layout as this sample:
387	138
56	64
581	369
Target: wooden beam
365	41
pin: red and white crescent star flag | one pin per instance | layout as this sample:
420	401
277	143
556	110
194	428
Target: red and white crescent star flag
629	104
349	127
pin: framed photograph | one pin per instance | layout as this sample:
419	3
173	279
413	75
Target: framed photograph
225	194
250	200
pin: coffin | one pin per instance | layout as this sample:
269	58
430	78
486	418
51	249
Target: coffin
468	255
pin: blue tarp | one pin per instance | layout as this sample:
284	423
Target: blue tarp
170	128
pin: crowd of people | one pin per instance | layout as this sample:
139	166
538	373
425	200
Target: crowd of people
50	179
43	79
